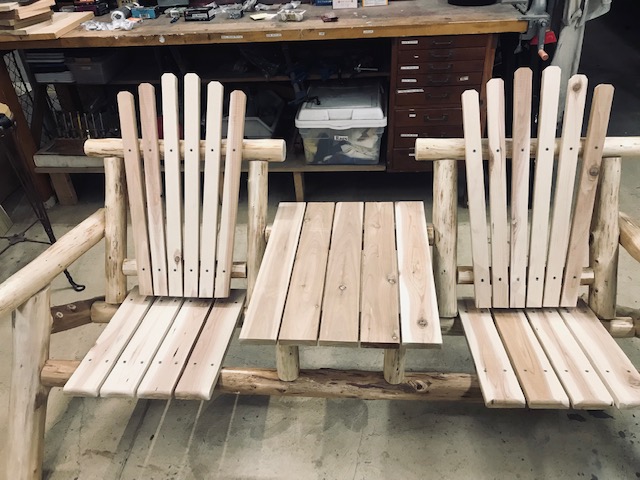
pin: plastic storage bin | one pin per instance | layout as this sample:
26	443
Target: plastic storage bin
346	127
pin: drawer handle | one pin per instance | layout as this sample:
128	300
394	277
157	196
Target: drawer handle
439	80
437	43
442	118
441	96
449	54
438	68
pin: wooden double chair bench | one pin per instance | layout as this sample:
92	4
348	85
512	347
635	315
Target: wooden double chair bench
357	274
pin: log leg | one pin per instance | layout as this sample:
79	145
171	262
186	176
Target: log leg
287	362
258	203
394	364
115	229
28	397
298	186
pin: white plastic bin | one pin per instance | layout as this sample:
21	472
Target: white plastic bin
346	127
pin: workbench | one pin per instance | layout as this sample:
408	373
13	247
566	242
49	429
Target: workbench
411	20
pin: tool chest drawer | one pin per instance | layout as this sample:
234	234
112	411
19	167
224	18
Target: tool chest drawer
405	137
431	96
412	57
404	160
419	117
442	41
440	67
434	80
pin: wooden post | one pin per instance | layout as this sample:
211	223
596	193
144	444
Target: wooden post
287	362
115	229
445	227
103	312
258	201
298	186
31	326
394	365
603	244
629	235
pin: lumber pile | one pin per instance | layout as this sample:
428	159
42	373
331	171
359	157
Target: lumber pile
15	16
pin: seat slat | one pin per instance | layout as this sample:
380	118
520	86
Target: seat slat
547	118
476	193
578	377
538	380
153	188
100	359
419	318
497	379
520	162
191	183
616	371
565	181
172	182
301	318
340	322
264	314
230	193
379	304
203	367
213	140
498	194
136	358
589	175
135	189
168	363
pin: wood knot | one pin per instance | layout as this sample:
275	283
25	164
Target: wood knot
422	322
391	279
342	288
576	87
394	337
177	259
594	171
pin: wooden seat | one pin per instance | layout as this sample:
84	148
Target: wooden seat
533	342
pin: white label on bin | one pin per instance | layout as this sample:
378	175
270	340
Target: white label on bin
409	42
409	80
321	34
411	90
464	78
412	115
273	35
339	138
408	135
231	37
412	154
410	67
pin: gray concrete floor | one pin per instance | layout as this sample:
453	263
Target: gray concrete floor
263	438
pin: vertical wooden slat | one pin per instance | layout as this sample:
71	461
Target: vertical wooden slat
549	97
520	161
172	182
208	241
230	192
135	186
341	303
498	193
589	175
419	319
565	181
379	309
191	183
475	190
153	188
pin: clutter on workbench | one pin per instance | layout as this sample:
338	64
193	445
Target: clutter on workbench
339	4
344	125
291	15
95	67
375	3
199	14
15	16
98	7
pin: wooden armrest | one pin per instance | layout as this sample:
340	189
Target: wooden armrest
22	285
630	235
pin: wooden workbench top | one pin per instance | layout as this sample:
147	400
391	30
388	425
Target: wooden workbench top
398	19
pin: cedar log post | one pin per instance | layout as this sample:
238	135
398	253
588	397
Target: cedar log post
393	370
115	232
258	193
287	362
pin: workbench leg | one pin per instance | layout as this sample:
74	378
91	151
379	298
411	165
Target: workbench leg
298	185
64	189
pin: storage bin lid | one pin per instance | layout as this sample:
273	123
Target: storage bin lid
343	107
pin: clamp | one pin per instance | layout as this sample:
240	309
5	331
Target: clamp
538	19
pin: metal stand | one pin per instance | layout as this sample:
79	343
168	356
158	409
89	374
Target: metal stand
8	141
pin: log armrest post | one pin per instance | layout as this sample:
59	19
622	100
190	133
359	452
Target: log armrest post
115	233
257	222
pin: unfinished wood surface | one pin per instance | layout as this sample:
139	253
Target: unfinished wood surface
301	317
63	186
379	305
135	360
16	8
208	241
191	244
153	188
419	318
60	23
287	362
498	381
172	183
498	194
264	313
589	176
31	331
103	312
230	193
538	380
580	381
115	229
340	322
520	166
616	371
629	235
167	365
258	189
445	235
565	182
476	193
394	362
98	362
547	118
603	244
203	367
135	190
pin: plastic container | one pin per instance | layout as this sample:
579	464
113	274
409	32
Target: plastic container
262	115
95	69
346	127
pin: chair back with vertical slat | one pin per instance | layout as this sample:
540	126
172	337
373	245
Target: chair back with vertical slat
183	238
533	258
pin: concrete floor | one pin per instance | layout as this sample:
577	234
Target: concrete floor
262	438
